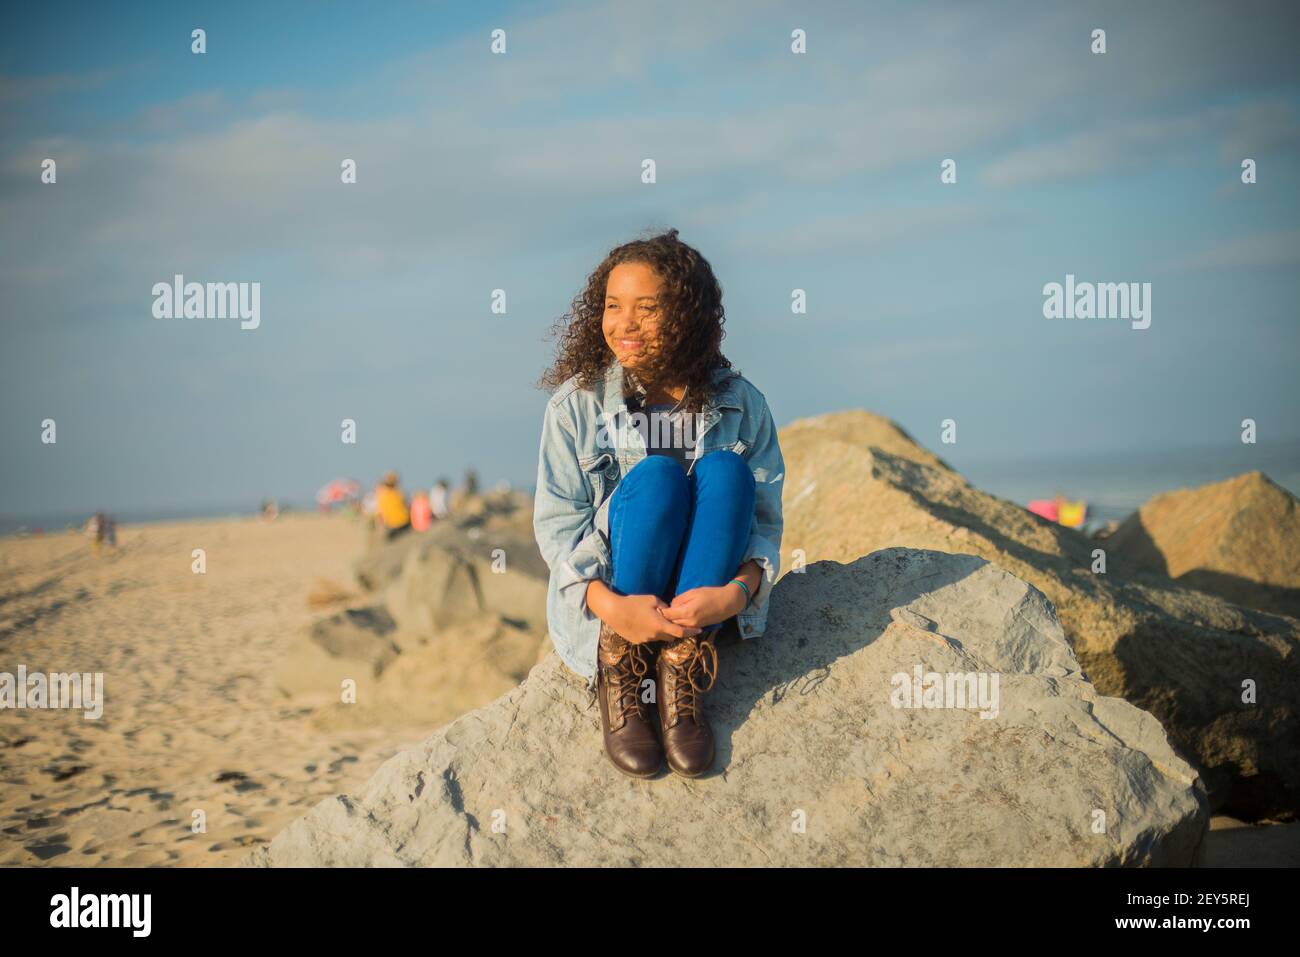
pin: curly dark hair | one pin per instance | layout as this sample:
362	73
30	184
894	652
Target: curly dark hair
690	323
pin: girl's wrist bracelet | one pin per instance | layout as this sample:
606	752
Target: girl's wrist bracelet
744	586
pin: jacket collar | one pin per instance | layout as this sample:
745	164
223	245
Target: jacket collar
723	397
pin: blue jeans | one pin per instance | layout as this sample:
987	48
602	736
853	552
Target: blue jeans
670	532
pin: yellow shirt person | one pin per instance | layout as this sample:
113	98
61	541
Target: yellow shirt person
391	504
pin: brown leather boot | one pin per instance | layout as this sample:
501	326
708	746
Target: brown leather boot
627	722
683	669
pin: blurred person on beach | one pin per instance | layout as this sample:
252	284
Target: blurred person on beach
658	503
101	530
469	488
421	511
439	499
391	511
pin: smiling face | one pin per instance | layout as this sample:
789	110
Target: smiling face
631	318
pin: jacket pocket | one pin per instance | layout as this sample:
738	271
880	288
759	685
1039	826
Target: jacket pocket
732	431
601	471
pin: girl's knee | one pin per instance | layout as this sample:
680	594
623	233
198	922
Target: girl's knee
725	462
660	473
656	468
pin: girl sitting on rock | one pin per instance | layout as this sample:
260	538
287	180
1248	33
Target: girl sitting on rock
658	506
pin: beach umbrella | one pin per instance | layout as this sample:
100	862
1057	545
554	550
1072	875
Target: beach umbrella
339	490
1046	507
1060	510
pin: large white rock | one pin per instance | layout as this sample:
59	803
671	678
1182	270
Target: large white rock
816	763
856	482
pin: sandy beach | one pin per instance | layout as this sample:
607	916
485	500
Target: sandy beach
192	720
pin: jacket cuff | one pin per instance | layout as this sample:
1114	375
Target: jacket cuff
761	550
588	560
752	620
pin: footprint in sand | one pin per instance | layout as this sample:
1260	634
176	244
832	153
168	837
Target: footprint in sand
241	781
50	848
65	771
337	764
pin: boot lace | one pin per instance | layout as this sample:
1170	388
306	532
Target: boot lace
626	677
703	662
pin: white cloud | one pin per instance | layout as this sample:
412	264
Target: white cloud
17	88
1148	140
1279	248
475	155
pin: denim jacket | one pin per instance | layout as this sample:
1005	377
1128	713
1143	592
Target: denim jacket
586	448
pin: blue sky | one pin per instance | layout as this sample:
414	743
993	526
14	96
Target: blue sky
478	172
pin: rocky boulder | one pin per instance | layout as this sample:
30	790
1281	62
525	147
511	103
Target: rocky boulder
460	623
455	575
827	752
381	561
395	678
355	644
504	513
1238	539
856	482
